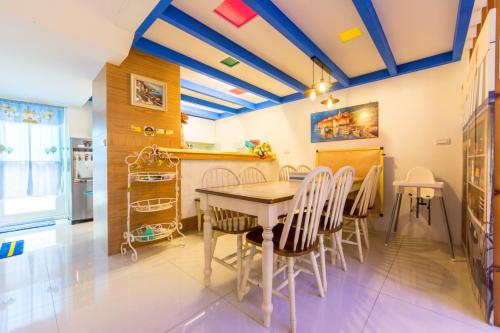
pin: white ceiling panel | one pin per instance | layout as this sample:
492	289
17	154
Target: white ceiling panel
256	36
418	29
176	39
208	98
323	20
217	85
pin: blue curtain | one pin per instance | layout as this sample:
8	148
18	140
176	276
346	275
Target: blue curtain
31	160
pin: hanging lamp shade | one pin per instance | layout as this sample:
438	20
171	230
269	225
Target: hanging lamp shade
311	93
330	101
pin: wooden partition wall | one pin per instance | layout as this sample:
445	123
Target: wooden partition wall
361	159
114	139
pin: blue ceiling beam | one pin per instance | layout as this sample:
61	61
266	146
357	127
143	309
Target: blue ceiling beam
193	27
464	14
151	18
275	17
189	85
202	102
410	67
145	45
200	113
372	23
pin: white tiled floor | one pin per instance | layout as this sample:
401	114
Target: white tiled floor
61	284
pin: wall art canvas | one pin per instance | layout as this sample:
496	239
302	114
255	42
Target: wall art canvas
349	123
148	93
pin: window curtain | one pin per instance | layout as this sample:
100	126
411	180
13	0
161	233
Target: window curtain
31	160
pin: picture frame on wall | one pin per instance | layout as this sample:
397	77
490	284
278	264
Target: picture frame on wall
349	123
148	93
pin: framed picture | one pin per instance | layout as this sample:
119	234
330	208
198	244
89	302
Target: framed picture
148	93
350	123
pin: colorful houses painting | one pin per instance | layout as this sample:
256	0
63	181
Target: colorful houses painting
349	123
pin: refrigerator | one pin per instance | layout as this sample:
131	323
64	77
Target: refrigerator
81	180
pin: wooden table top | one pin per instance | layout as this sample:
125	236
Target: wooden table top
268	192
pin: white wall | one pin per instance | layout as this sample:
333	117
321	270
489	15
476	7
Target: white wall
414	111
80	121
200	130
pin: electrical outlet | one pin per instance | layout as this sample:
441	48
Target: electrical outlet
442	142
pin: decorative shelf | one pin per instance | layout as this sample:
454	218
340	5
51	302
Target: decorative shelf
152	177
151	165
153	205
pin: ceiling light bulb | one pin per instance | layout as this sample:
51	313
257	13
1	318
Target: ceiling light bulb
329	103
312	95
322	86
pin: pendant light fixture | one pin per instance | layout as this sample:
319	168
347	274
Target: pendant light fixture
322	86
311	92
330	100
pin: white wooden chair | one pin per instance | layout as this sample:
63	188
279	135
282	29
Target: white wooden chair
331	221
303	168
296	238
376	183
252	175
356	212
420	174
285	172
226	221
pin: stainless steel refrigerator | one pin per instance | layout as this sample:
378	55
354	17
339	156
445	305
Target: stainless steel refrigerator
81	180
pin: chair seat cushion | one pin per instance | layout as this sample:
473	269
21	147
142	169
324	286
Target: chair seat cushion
347	210
255	237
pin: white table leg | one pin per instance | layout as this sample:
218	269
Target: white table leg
267	275
207	239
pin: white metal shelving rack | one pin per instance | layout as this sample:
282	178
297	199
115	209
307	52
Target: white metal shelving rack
166	170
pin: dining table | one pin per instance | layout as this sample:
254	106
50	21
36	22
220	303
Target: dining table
267	201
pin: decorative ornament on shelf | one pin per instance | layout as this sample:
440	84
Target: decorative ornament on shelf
263	150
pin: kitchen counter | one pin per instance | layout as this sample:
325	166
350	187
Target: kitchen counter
192	154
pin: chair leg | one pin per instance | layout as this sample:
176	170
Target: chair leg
364	228
338	240
429	212
316	274
333	253
198	215
291	295
322	254
246	273
239	259
358	240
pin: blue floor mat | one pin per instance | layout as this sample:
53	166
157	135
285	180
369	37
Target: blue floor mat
10	249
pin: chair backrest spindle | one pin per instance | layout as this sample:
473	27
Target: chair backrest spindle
341	185
363	197
306	209
252	175
303	168
285	172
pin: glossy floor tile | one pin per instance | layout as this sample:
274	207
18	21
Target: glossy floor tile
63	284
